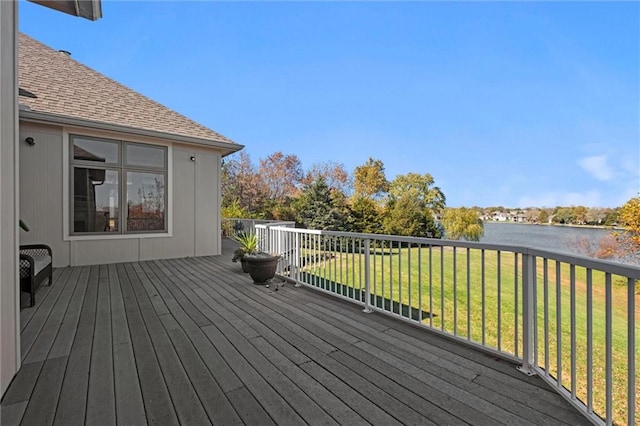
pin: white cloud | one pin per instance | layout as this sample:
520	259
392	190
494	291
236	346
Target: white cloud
597	167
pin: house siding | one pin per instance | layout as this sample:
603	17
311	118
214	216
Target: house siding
192	204
9	312
183	202
206	208
41	203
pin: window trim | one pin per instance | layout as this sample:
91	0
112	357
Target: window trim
67	170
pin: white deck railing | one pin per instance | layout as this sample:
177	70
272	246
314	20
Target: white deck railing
231	226
569	319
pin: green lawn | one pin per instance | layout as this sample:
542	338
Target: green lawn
445	282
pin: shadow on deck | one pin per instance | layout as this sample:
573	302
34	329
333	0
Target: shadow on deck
193	341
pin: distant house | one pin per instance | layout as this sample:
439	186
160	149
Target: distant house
499	216
108	175
520	218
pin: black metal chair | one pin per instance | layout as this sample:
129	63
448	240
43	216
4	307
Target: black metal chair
36	265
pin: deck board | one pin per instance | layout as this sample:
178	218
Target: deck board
193	341
73	395
101	405
155	395
42	404
129	404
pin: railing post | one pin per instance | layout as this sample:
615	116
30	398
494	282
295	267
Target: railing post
298	251
367	287
267	239
631	356
528	314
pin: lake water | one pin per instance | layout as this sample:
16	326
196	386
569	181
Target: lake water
547	237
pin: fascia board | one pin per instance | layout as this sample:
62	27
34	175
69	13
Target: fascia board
48	118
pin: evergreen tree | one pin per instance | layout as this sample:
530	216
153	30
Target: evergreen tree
366	216
318	208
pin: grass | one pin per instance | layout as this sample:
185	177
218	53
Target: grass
481	300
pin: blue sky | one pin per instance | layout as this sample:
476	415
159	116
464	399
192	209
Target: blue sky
503	103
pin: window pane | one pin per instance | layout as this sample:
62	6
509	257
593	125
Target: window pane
95	150
145	155
145	201
95	200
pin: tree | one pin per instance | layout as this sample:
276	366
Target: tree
366	216
630	217
370	180
462	223
618	245
334	174
234	211
419	187
543	216
317	208
532	214
580	215
596	216
281	175
407	216
412	203
611	218
242	183
630	238
563	215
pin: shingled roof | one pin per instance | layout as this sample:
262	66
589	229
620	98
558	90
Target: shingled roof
51	82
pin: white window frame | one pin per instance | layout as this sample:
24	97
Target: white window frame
68	235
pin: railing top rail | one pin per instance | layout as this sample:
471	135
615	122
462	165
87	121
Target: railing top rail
614	268
272	224
256	221
596	264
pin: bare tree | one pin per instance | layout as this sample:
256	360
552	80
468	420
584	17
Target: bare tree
282	176
242	183
333	173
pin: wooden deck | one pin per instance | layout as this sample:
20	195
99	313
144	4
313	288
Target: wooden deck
194	342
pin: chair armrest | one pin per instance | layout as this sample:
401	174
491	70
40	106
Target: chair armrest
36	250
27	266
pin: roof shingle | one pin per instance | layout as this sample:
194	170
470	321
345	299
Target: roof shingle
63	86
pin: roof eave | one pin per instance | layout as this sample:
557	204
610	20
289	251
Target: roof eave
227	148
88	9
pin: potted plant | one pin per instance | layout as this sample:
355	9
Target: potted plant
248	244
261	266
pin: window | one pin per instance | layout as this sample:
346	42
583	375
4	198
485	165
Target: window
117	187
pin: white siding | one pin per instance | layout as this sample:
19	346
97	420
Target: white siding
207	211
41	204
104	251
9	311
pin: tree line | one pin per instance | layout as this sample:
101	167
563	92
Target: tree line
328	197
561	215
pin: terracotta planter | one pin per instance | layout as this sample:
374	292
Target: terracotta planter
262	267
